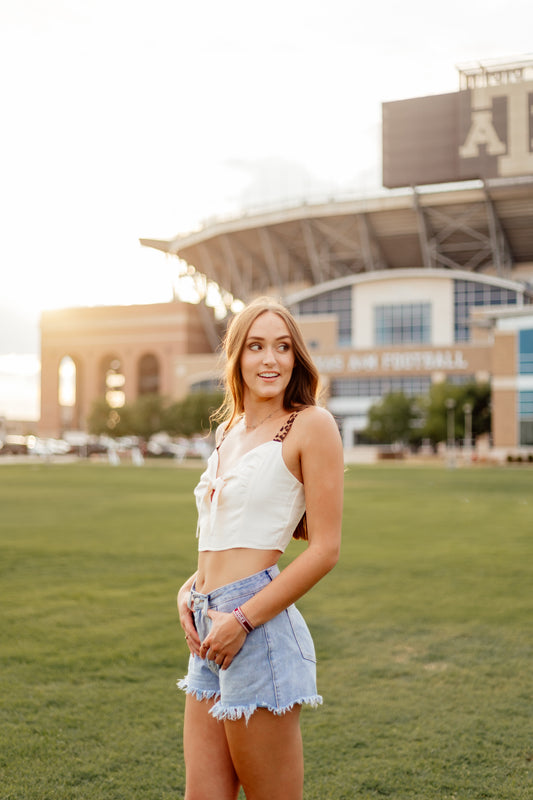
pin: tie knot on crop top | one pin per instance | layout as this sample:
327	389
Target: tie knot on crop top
257	504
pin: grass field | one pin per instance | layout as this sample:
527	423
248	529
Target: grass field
423	633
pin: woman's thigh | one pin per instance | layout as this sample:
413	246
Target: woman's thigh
208	763
267	754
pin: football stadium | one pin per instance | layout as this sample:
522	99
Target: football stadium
429	280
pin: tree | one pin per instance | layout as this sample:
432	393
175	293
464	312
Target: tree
397	418
478	395
436	414
146	415
391	420
103	420
475	395
150	414
191	415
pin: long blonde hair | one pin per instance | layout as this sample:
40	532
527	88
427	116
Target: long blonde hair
303	387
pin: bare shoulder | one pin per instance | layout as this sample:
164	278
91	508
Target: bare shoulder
320	448
314	443
315	421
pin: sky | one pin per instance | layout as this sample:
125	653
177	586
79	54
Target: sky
124	120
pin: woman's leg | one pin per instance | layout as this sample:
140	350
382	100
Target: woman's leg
268	754
208	766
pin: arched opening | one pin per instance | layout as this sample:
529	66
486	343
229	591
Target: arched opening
149	380
68	392
67	382
113	380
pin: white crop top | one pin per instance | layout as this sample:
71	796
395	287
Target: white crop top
257	504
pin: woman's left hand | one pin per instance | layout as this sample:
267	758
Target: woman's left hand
224	640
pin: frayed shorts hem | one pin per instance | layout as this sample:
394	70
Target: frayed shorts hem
225	711
275	669
199	694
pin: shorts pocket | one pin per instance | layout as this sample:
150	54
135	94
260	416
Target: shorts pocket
301	634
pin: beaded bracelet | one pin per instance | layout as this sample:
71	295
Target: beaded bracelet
240	616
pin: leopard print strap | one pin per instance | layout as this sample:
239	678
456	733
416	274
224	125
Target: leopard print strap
223	436
284	430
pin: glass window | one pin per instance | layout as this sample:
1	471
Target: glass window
525	404
337	301
473	293
460	380
208	385
526	432
525	354
148	376
525	416
405	323
410	385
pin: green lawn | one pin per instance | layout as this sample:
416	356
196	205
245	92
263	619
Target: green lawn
423	632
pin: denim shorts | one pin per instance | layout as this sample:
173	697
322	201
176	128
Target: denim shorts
275	669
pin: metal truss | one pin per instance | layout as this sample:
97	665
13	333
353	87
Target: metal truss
470	239
335	251
488	227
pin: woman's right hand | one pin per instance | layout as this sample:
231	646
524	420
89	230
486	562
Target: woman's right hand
187	620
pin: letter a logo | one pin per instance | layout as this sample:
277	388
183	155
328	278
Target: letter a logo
482	132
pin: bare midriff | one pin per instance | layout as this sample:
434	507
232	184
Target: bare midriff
217	568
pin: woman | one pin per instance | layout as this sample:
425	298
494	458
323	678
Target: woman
277	471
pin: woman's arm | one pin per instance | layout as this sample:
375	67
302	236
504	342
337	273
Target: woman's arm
322	464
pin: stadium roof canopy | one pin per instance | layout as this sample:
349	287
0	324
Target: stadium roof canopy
473	227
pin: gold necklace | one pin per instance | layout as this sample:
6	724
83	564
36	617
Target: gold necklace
253	427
